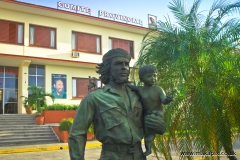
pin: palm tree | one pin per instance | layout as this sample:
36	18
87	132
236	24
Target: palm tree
198	61
37	96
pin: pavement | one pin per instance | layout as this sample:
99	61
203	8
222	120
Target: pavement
42	147
59	151
56	151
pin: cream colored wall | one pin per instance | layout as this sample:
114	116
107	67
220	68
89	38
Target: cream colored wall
11	49
70	72
64	30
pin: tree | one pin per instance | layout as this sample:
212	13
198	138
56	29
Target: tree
198	61
37	96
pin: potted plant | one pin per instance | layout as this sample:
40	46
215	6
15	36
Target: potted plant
37	97
64	128
65	124
90	134
39	118
28	104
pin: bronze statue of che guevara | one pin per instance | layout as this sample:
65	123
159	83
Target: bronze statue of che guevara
116	113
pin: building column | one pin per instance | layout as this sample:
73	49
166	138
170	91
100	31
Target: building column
22	84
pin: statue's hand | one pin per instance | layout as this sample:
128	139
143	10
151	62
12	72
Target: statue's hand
155	122
168	99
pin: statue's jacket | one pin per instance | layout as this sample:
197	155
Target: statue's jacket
113	122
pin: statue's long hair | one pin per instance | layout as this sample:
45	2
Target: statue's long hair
104	70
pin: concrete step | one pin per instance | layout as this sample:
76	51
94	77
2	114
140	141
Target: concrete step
16	123
18	116
18	120
29	141
24	127
32	134
19	132
23	114
26	137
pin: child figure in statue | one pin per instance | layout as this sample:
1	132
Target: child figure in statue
152	98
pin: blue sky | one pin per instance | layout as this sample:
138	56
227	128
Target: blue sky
138	9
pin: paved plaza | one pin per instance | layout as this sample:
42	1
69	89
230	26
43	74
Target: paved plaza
90	154
59	151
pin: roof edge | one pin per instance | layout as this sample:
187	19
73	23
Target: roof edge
74	14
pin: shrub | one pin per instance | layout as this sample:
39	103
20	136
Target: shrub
90	129
59	106
66	124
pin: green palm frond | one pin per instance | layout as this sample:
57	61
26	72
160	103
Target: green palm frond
37	96
198	61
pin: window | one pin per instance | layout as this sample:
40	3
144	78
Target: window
80	86
36	75
120	43
42	36
11	32
86	42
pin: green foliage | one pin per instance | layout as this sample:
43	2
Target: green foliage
58	106
90	129
25	101
66	124
36	97
198	61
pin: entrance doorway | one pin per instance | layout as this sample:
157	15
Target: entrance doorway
8	90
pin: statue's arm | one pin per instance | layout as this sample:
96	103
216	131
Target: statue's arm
133	87
155	121
165	99
78	134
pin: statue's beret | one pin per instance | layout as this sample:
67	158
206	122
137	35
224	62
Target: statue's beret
118	52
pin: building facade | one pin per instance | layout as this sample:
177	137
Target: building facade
55	49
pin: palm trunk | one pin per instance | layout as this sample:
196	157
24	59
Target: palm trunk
231	154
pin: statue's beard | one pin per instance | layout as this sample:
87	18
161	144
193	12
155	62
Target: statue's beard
119	81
